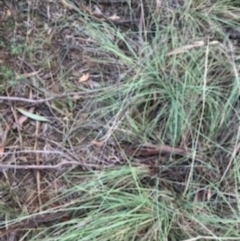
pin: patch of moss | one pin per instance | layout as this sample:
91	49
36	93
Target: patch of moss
6	76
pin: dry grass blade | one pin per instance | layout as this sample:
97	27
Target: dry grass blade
185	48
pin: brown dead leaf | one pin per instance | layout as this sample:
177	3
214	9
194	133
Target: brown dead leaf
84	77
76	97
97	143
49	31
3	137
67	5
114	17
158	5
97	11
91	84
9	13
1	150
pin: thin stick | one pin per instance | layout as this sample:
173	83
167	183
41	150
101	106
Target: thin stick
42	167
150	149
13	98
38	174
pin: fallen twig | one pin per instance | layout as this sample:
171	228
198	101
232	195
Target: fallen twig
42	167
39	101
32	222
66	160
151	149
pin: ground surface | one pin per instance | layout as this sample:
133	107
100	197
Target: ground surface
119	120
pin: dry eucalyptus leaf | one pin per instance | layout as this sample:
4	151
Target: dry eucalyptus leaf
97	11
91	84
84	77
114	17
9	13
1	150
97	143
76	97
31	115
67	5
23	118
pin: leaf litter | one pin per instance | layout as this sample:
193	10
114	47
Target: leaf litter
58	57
